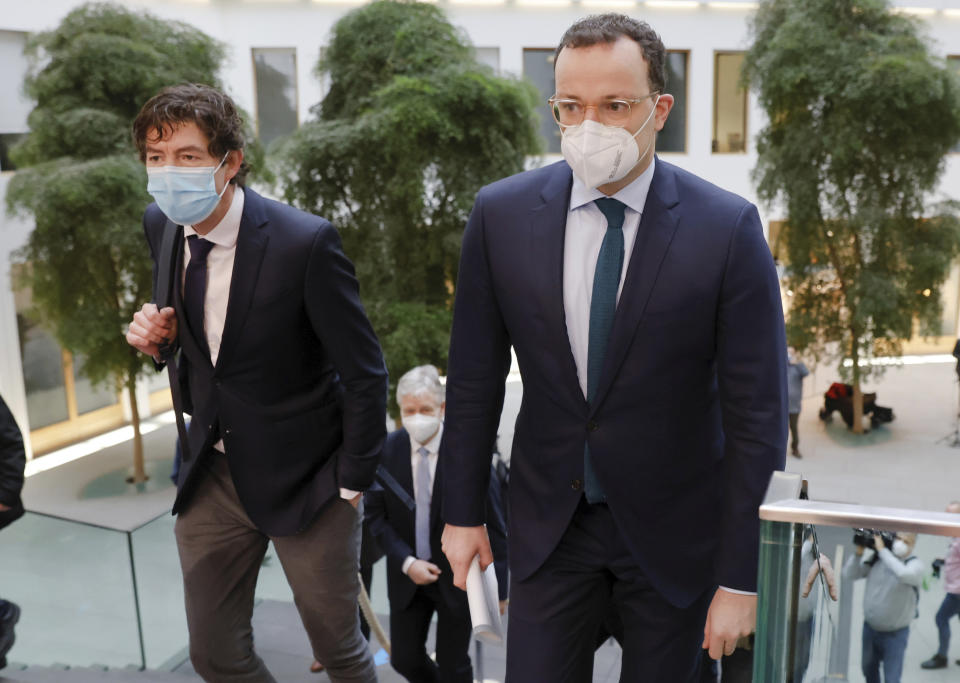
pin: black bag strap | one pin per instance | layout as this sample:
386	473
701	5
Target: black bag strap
388	482
163	296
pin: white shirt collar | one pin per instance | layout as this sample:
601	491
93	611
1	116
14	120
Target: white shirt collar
225	232
633	195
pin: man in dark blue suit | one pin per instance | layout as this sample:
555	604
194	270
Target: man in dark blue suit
403	512
283	377
644	310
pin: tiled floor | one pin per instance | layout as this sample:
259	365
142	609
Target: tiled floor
74	581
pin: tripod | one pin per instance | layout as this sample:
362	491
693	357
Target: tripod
953	438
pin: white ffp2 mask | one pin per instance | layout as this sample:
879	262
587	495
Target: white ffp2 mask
601	154
421	427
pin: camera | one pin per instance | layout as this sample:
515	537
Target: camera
936	564
864	538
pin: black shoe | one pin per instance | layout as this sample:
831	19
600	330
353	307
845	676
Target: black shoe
7	621
938	661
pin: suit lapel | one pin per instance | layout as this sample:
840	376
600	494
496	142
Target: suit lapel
403	468
658	224
435	499
548	227
251	245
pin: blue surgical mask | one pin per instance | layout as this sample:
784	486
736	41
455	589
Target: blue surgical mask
186	195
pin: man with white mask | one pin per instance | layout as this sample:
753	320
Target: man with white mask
894	576
644	309
403	512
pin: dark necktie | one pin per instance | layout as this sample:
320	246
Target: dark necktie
603	306
195	287
424	494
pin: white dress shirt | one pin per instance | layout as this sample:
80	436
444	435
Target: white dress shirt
433	450
586	227
219	275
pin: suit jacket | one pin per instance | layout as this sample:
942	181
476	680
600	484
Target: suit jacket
298	393
12	461
390	511
689	419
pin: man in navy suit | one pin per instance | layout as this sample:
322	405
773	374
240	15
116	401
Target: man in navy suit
403	512
644	309
283	377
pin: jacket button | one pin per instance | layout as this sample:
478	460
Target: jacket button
576	484
592	426
226	431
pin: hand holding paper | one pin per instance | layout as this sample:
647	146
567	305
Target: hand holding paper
484	603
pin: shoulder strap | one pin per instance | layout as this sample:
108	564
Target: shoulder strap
165	265
389	483
163	296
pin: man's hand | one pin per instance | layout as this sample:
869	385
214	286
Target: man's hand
503	607
730	617
4	508
461	544
878	543
151	328
422	572
822	565
355	501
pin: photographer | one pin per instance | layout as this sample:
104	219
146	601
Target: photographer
889	602
949	568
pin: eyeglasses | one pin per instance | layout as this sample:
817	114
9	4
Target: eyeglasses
570	112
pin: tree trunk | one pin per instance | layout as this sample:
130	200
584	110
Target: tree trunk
139	473
857	394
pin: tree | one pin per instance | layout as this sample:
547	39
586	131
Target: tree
861	117
82	181
411	127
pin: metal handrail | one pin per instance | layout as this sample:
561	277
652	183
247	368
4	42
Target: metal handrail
846	514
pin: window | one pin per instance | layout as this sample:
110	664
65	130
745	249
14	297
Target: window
538	68
729	104
275	83
953	63
14	106
673	137
489	56
62	404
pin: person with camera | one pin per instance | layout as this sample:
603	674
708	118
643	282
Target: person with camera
894	576
949	568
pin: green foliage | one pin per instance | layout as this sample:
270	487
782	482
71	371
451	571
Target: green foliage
80	178
411	127
861	117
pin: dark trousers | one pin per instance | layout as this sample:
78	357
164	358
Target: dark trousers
794	438
555	613
220	555
949	608
408	638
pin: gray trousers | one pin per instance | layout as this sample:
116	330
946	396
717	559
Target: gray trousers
220	555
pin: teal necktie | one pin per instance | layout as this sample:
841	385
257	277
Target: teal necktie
603	306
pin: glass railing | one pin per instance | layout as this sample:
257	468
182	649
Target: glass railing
865	611
95	595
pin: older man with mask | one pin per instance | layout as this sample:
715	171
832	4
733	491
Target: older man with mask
403	512
644	309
